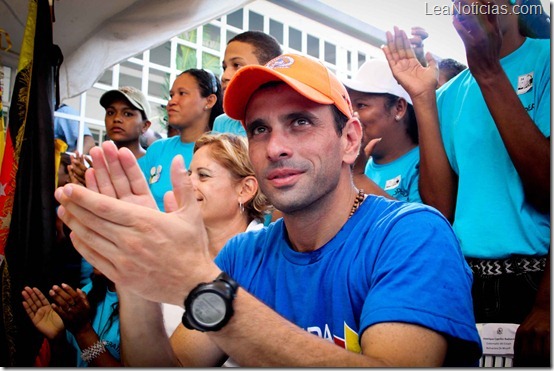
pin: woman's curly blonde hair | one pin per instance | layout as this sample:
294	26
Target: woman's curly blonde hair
231	152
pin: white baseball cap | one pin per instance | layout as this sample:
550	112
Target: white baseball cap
375	76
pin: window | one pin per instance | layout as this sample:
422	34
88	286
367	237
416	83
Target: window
330	53
276	30
295	39
235	19
313	46
161	54
211	37
255	21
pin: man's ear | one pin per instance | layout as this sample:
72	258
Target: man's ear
145	126
352	136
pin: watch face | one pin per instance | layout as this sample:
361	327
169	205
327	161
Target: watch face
209	309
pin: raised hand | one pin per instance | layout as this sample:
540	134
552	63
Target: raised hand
414	78
39	310
481	35
72	306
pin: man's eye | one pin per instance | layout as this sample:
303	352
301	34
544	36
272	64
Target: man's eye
300	122
258	130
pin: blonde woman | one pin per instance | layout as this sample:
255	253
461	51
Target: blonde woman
228	194
226	188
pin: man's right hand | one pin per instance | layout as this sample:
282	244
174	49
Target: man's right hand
159	256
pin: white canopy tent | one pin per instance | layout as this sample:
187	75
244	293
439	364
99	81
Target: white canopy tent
95	35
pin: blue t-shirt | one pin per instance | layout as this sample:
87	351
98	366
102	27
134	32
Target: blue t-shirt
107	330
398	178
156	164
492	218
68	130
225	124
391	262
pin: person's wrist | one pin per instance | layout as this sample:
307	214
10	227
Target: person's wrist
488	73
82	331
198	276
427	96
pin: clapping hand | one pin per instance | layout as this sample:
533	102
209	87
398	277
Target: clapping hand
72	306
117	175
77	169
159	256
39	310
481	35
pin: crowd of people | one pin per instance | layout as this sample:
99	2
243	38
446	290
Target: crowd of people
297	219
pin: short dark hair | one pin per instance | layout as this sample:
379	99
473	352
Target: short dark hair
340	119
451	66
265	46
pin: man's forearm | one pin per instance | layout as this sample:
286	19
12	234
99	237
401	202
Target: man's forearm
258	336
527	147
437	181
143	338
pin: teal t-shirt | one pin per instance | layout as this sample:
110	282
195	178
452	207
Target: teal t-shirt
492	218
225	124
156	164
398	178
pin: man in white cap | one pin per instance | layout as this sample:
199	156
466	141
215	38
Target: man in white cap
343	279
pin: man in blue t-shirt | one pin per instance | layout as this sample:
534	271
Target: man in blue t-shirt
344	279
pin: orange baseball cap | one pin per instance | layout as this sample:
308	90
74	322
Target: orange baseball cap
308	76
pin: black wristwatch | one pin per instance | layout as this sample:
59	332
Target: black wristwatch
209	306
